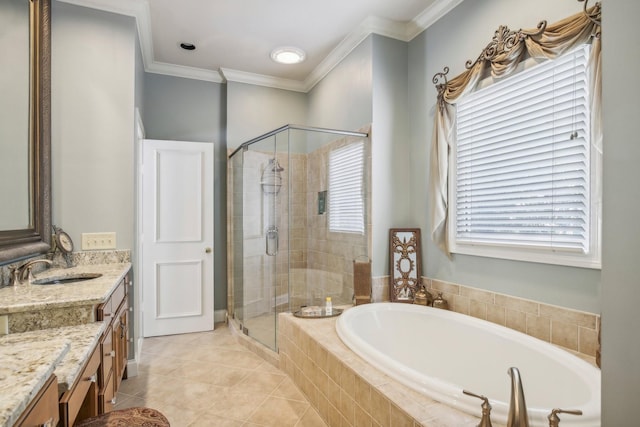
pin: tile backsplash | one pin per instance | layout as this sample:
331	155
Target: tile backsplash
78	258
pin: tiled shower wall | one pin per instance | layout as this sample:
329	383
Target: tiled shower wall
329	255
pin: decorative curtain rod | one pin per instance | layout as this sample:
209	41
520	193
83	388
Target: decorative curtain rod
504	40
501	56
595	16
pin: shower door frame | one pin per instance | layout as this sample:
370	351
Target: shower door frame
287	188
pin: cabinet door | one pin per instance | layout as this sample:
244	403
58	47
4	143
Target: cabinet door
107	356
120	344
107	396
81	401
43	410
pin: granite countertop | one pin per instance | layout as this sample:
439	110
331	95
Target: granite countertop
30	297
24	369
83	339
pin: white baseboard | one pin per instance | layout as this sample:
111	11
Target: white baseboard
220	316
132	364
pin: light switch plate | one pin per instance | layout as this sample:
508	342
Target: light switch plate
95	241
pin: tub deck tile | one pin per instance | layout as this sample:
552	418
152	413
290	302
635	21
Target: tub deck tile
348	391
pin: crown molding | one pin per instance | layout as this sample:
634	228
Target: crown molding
184	72
139	9
262	80
429	16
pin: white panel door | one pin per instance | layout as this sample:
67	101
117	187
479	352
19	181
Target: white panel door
177	237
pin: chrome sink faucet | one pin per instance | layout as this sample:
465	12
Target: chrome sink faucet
23	273
518	416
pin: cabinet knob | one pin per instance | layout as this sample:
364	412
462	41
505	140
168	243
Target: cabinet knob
113	401
208	250
93	378
111	353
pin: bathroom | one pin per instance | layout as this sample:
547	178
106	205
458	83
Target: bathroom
383	82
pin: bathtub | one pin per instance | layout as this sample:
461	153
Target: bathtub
439	353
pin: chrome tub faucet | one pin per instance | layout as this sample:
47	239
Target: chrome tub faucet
518	416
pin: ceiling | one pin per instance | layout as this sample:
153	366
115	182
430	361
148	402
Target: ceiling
234	38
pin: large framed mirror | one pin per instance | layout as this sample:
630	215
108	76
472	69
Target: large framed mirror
25	128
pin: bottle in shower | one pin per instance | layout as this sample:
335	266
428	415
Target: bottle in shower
328	306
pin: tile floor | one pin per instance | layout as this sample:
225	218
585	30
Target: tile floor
209	379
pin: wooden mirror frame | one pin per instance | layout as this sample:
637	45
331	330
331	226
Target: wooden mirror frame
405	273
35	240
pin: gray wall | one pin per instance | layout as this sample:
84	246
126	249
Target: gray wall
370	87
193	110
391	188
343	98
621	228
474	23
255	110
92	93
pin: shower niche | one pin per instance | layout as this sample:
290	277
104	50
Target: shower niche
284	251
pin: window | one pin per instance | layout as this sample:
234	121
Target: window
346	189
523	180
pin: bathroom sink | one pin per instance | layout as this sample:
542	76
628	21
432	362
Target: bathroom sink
67	278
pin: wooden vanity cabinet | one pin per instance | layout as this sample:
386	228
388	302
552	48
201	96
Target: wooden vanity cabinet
114	345
43	409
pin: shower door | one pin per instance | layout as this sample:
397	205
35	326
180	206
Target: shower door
265	237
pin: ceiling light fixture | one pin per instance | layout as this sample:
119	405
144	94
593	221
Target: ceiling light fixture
288	55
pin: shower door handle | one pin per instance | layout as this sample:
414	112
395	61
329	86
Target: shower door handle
271	241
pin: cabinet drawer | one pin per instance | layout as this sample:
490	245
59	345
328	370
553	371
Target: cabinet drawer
118	295
107	310
84	393
43	410
107	397
104	311
107	355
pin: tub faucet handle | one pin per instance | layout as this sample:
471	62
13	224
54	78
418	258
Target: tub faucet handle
485	421
554	419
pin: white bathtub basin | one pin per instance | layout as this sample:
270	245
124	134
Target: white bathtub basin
439	353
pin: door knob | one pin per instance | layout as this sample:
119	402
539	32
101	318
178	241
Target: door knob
208	250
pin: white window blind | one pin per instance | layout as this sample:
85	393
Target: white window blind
522	159
346	189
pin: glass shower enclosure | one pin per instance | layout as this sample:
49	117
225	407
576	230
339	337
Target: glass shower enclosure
299	209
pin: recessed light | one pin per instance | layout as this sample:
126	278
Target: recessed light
188	46
288	55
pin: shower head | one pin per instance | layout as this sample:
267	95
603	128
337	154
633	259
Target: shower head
271	180
273	163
